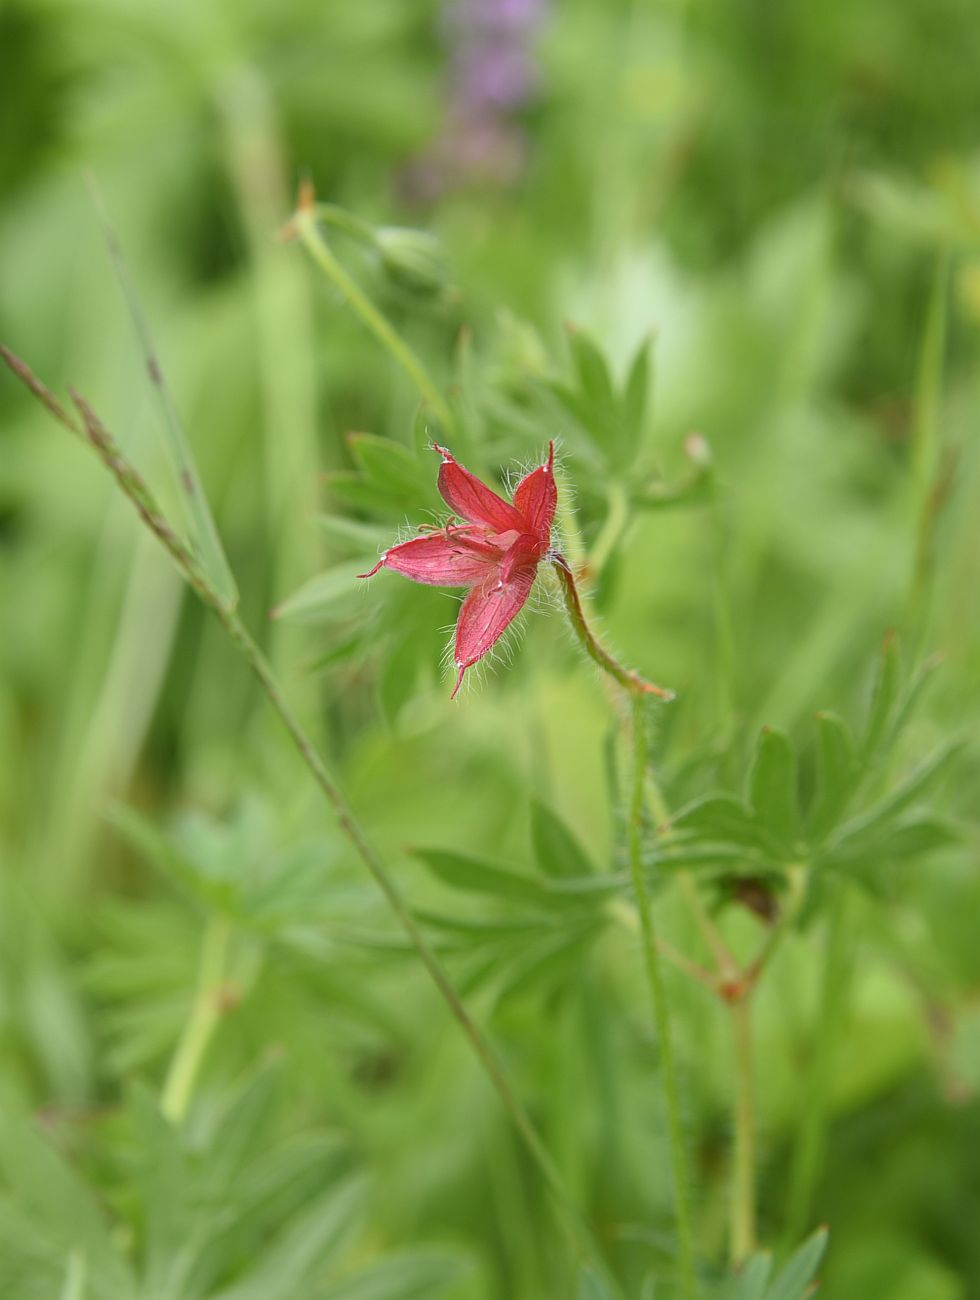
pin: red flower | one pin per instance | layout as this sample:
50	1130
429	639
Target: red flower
495	553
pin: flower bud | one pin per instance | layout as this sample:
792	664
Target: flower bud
412	259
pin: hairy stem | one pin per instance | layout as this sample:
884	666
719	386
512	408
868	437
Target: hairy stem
661	1008
304	224
201	1024
743	1180
626	678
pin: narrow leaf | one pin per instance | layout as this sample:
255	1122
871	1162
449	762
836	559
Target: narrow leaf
719	817
772	784
556	850
205	542
836	774
476	876
590	365
794	1279
883	698
327	596
400	1277
750	1281
308	1243
902	796
389	465
636	392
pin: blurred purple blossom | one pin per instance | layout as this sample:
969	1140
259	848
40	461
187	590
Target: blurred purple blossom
492	73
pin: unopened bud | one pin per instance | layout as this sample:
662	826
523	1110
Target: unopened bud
412	259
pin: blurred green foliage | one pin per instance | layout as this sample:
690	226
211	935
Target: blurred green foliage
738	276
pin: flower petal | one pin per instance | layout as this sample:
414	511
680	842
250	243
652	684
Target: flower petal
470	499
486	614
536	497
453	557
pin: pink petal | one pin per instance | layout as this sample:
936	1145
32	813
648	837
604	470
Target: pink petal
537	496
485	615
450	558
473	500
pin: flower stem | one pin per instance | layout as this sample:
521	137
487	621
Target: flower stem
304	224
626	678
743	1182
661	1009
201	1024
195	1039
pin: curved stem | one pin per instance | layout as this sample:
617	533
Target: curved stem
629	680
201	1024
661	1009
304	223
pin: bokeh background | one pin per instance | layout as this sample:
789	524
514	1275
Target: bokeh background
787	199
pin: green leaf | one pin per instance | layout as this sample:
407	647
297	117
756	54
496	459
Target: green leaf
476	876
303	1248
351	535
556	850
389	465
795	1278
46	1188
883	698
327	596
772	785
750	1281
205	540
591	1286
912	837
636	392
400	1277
590	365
901	797
836	774
163	1188
719	817
545	965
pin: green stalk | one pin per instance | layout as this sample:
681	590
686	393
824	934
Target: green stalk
626	678
743	1182
201	1024
304	223
134	487
661	1008
812	1135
